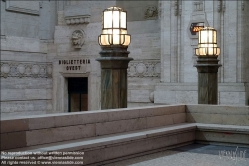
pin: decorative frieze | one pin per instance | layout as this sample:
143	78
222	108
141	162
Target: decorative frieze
144	68
26	69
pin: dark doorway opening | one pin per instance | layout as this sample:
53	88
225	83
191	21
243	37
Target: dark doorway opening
77	94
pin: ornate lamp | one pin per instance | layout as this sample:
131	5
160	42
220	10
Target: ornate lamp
114	28
207	44
114	59
207	66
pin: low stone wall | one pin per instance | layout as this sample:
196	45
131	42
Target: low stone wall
220	124
218	114
44	129
108	135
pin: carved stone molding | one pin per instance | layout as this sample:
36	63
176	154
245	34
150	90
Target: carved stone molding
224	7
151	12
198	6
77	20
26	69
178	10
144	68
159	9
221	6
78	38
77	15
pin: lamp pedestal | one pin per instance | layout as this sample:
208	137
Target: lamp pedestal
114	63
207	67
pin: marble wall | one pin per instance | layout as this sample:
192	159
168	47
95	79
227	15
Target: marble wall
178	76
144	71
27	30
83	17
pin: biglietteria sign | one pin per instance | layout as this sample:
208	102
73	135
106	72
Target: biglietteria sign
73	64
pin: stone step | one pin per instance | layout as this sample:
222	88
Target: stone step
112	146
223	128
222	134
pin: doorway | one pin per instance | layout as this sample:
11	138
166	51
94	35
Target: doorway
77	94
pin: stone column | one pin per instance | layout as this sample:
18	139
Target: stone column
114	63
207	67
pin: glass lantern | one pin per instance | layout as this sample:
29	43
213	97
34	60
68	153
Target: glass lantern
207	43
114	27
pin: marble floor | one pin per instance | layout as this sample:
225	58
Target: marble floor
192	155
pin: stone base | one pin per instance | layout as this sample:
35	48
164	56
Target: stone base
186	93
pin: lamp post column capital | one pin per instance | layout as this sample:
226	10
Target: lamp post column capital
207	64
